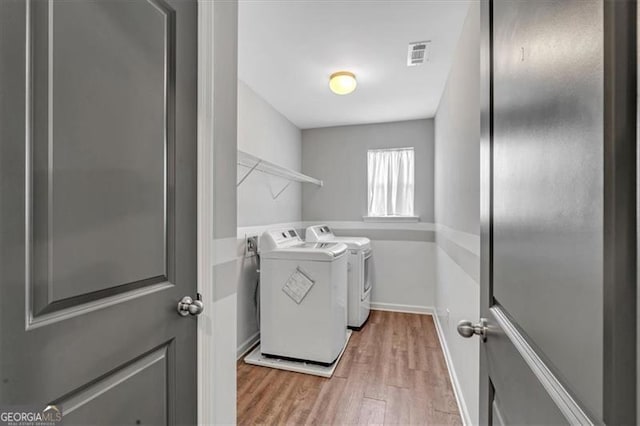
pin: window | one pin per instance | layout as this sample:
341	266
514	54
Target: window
391	182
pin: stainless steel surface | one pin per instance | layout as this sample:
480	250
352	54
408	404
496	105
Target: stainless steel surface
188	306
553	74
467	328
98	208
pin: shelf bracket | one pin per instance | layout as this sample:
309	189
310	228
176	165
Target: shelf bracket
249	172
282	190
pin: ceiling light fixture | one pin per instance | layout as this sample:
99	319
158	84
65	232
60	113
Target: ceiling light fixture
342	82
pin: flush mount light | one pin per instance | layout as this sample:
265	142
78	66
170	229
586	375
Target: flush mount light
342	82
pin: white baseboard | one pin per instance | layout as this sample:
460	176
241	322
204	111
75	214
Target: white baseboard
457	390
409	309
247	345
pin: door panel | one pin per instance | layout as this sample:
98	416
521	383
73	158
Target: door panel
147	378
102	156
98	208
518	393
548	182
558	120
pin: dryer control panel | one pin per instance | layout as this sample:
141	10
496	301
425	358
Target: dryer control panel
319	233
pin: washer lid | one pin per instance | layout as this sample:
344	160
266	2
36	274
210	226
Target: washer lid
354	243
325	252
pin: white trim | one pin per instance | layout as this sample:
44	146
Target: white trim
466	240
391	219
409	226
457	388
225	250
247	345
408	309
243	231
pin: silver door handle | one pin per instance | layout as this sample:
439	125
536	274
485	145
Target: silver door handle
467	328
188	306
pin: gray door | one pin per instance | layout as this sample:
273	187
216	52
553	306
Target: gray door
558	212
98	208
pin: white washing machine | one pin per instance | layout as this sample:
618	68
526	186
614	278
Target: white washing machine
359	278
303	297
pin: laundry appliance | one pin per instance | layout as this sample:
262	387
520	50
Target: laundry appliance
359	276
303	297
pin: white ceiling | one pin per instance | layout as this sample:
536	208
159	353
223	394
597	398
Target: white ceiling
288	49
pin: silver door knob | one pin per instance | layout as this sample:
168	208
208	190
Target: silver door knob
468	329
188	306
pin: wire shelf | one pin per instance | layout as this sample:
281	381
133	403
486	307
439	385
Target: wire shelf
254	163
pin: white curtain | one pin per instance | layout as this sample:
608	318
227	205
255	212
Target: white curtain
391	180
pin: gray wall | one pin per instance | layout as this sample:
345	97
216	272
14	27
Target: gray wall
225	118
338	156
264	132
457	201
457	130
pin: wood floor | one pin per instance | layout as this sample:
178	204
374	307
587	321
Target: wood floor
393	372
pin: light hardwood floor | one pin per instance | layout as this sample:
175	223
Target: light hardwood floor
393	372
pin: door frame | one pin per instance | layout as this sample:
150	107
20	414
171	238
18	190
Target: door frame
217	230
620	236
206	211
486	195
206	200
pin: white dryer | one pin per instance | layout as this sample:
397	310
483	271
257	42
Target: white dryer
303	297
359	277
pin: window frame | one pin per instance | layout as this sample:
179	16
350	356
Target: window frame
390	218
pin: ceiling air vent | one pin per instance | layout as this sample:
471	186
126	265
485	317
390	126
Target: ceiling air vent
418	53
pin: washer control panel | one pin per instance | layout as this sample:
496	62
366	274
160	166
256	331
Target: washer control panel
279	238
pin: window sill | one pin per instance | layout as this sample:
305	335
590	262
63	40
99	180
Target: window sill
391	219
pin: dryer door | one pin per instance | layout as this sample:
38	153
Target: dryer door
367	274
